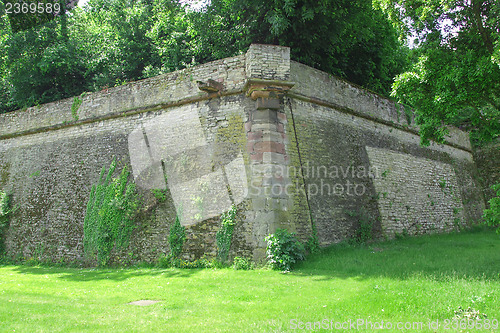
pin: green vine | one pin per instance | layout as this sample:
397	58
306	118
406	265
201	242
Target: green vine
225	233
176	238
5	210
109	220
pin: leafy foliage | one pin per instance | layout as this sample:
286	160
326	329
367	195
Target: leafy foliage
225	233
109	217
111	42
29	14
492	214
345	38
169	261
176	238
240	263
77	102
107	44
455	78
39	66
284	250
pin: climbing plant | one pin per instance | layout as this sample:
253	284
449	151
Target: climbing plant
5	210
176	238
109	219
225	233
77	102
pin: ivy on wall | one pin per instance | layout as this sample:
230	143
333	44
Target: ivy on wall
225	233
109	219
176	238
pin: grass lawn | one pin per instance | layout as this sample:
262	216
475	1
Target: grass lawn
413	280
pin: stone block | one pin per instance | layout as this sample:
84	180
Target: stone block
273	157
265	127
264	116
269	146
267	103
255	136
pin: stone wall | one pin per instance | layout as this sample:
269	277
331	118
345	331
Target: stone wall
487	160
362	158
289	145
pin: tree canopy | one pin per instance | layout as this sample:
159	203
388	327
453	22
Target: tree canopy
455	76
346	38
110	42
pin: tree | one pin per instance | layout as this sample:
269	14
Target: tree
107	44
24	15
38	64
113	41
345	38
455	79
5	86
123	41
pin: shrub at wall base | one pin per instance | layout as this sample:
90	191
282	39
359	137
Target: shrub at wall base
492	214
284	250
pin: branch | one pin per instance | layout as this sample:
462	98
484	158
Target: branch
476	10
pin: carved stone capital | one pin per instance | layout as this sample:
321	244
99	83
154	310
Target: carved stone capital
268	89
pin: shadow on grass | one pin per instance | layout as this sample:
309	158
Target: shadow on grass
94	274
444	257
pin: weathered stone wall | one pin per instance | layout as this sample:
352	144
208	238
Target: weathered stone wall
362	158
289	145
488	163
49	159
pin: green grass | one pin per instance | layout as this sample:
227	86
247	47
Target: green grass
410	280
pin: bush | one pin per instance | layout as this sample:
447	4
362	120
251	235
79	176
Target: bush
242	263
284	250
492	215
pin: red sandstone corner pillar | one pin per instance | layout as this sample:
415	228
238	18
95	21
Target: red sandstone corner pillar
266	146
